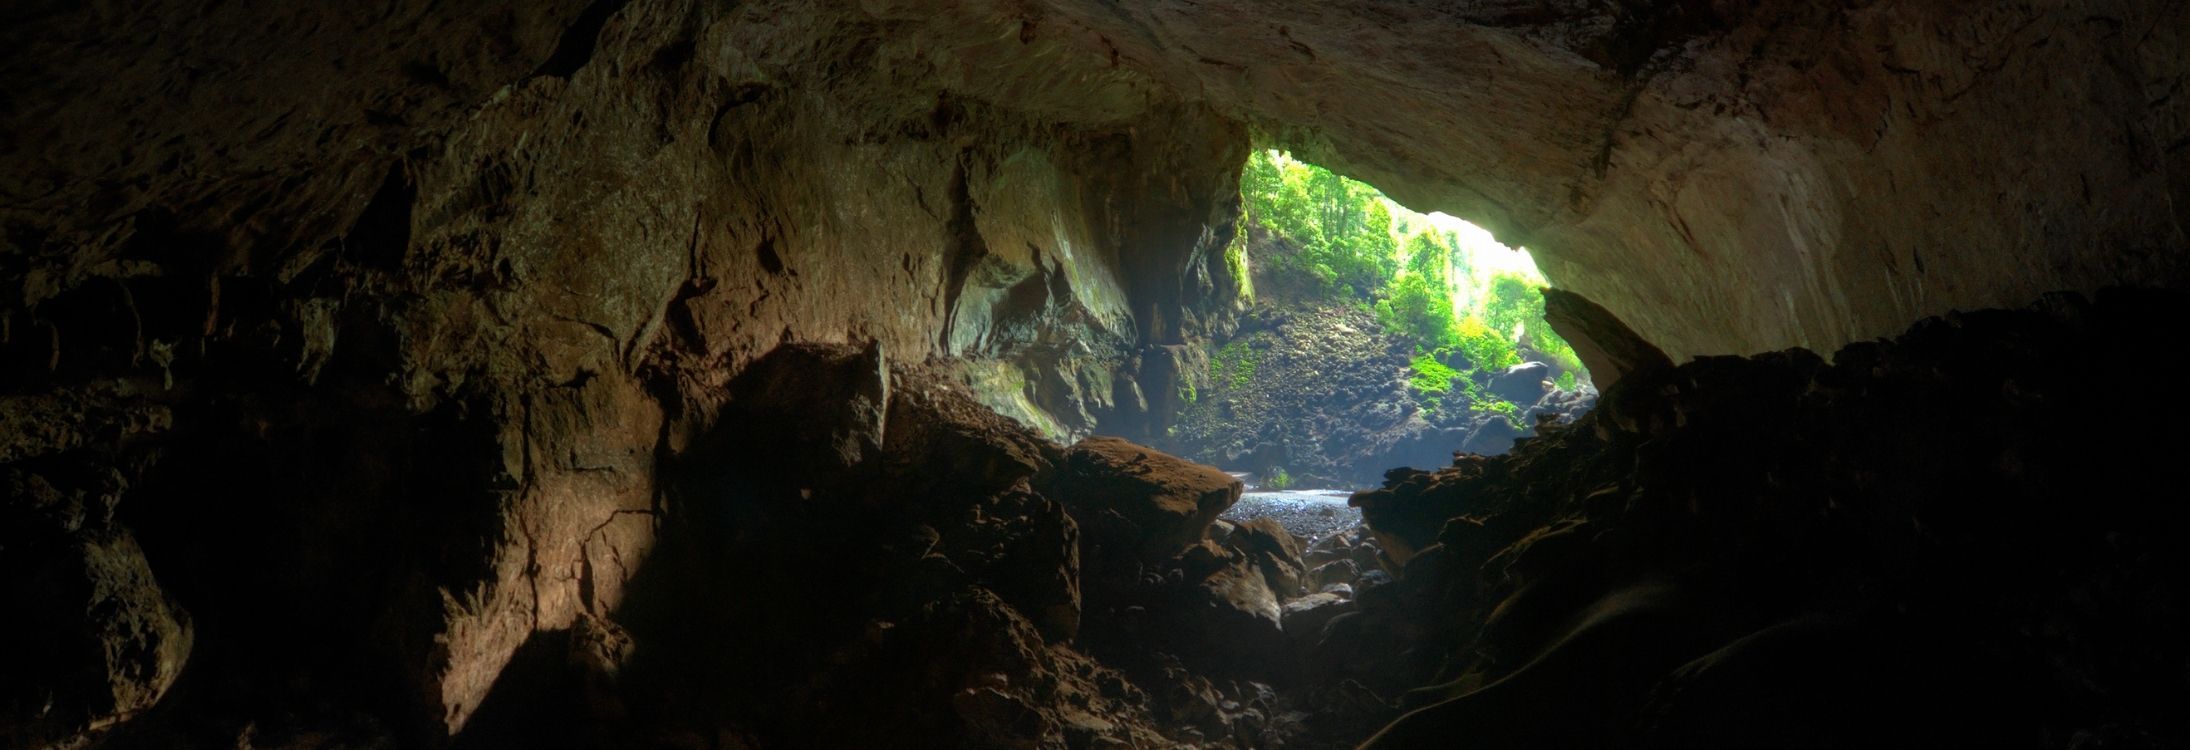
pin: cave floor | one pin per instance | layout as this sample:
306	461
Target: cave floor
1312	514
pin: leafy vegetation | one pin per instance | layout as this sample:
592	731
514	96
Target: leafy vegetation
1485	347
1279	480
1468	306
1430	378
1343	227
1418	303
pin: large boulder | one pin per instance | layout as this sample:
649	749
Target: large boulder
1273	550
1521	384
1494	437
1241	598
97	640
1231	622
1137	500
1305	617
942	441
1607	347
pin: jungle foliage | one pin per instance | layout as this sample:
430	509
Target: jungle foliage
1421	279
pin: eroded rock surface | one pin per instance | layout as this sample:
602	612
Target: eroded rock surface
390	317
97	641
969	584
1781	550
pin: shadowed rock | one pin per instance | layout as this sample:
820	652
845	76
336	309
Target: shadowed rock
1151	502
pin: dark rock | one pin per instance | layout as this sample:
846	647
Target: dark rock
832	402
97	639
1305	617
1138	500
1495	436
1027	550
1768	521
1228	624
1246	605
942	438
1336	572
1273	550
1523	384
1606	345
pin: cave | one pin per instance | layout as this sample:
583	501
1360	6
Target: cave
770	374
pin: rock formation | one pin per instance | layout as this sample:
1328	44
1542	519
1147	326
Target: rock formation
1948	536
359	364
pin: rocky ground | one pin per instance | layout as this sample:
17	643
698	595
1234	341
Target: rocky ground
859	555
1948	539
912	570
1309	514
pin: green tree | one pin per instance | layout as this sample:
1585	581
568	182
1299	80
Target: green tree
1429	255
1347	236
1485	348
1512	303
1342	227
1419	303
1515	308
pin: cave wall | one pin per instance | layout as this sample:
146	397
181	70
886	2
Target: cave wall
413	298
1729	177
389	315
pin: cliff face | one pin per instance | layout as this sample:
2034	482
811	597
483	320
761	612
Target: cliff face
371	325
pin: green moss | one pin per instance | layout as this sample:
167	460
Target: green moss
1233	367
1566	380
1430	380
1280	480
1431	376
1235	261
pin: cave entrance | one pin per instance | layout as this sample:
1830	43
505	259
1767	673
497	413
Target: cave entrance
1371	336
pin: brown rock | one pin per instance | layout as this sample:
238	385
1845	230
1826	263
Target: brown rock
1335	572
1273	550
942	441
1138	500
1243	595
828	402
1027	550
1606	346
1305	617
96	640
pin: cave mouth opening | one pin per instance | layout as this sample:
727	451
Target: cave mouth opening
1370	336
